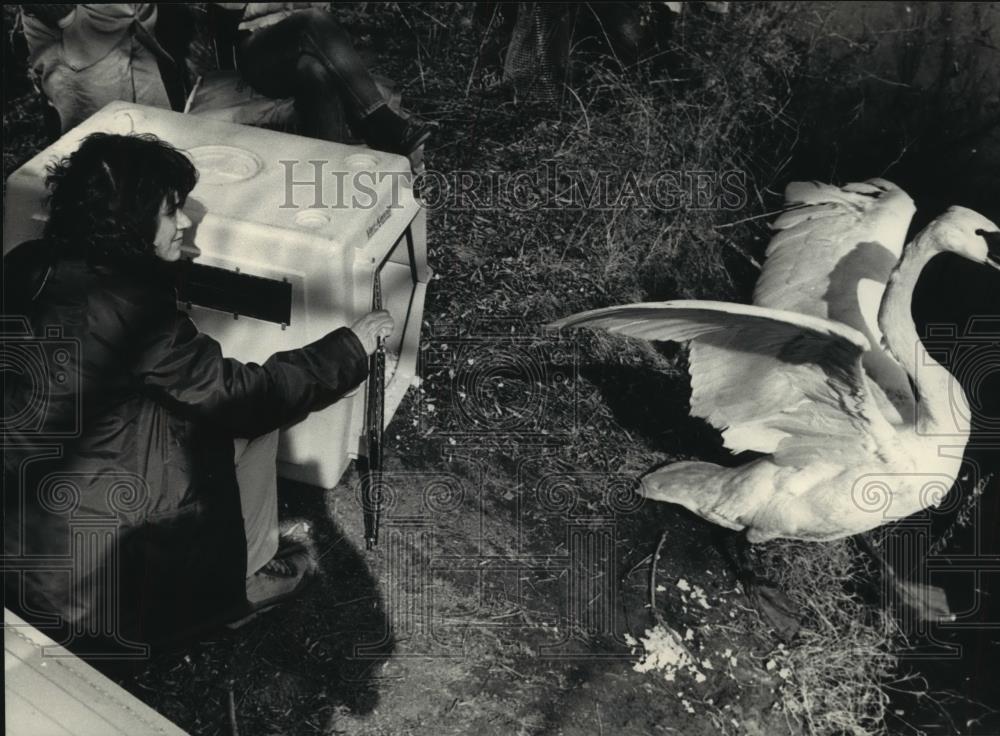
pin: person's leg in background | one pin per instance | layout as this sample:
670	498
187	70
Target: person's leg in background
311	57
321	113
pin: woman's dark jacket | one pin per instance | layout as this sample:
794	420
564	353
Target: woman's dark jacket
122	513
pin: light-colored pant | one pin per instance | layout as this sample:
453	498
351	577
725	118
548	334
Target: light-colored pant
256	473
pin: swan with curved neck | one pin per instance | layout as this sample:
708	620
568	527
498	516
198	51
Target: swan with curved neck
824	375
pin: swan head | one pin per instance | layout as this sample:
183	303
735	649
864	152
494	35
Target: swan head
968	234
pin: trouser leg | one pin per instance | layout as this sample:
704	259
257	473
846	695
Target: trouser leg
309	56
256	473
321	113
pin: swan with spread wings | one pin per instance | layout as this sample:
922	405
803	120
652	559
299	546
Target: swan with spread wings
824	375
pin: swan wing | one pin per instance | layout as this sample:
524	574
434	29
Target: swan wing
828	243
770	380
831	257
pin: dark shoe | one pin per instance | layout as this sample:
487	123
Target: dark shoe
386	130
414	137
409	141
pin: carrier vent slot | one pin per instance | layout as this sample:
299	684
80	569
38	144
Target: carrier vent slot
238	293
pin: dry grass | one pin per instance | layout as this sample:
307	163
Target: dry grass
721	110
839	669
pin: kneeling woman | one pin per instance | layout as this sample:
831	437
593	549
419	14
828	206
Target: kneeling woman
139	462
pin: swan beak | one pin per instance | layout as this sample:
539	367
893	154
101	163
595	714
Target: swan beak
993	248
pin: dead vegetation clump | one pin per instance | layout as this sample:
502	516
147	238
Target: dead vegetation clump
835	677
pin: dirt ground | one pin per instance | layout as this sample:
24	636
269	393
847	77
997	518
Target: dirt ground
488	606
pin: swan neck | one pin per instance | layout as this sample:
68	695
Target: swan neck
933	383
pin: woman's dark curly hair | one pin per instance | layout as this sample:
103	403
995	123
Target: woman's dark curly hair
105	197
